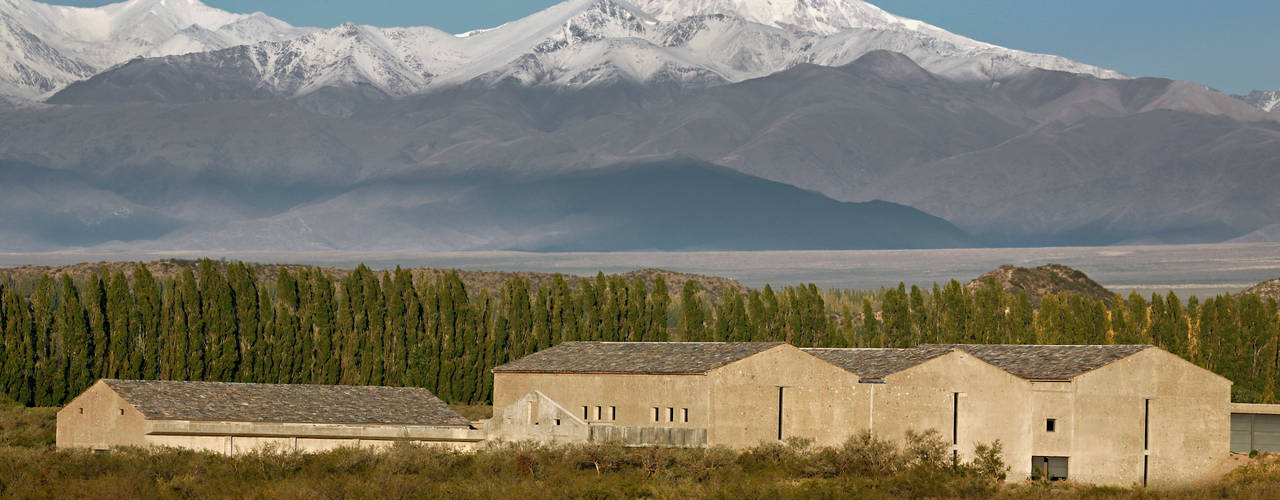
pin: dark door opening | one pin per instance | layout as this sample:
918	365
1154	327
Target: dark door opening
780	414
1050	468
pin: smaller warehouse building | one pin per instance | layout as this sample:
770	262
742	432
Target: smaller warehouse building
238	418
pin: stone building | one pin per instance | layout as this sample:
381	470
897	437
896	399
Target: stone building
238	418
1120	415
729	394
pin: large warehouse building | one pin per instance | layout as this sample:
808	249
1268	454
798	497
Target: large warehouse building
1118	415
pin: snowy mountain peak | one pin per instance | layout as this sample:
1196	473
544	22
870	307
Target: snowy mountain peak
576	43
817	16
51	46
1266	100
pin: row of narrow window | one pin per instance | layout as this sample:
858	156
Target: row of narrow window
601	414
610	414
670	415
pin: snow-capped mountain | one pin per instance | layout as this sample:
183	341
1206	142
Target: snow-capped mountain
576	43
1266	100
45	47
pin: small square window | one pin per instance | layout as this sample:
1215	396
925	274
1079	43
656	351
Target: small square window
1051	425
557	421
82	411
122	411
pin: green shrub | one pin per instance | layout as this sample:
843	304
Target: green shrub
22	426
988	461
862	467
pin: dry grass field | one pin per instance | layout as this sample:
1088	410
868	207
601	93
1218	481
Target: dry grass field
863	467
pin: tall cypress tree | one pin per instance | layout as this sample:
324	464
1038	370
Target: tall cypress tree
218	312
73	333
119	319
20	356
145	361
692	314
244	292
193	326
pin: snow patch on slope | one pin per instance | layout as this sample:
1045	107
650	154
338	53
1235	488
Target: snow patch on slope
45	47
576	43
1266	100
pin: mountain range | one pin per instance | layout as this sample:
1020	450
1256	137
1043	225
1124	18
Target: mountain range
601	125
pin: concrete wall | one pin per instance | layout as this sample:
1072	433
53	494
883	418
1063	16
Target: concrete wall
820	401
535	417
243	437
1189	423
100	419
623	399
993	405
737	403
683	437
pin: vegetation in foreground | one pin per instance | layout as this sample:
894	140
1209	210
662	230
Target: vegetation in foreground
863	467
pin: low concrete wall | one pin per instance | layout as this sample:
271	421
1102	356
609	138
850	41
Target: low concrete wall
688	437
241	437
1255	409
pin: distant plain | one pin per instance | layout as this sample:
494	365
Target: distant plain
1199	270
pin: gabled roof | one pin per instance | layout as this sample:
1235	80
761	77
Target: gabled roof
1048	362
1031	362
636	357
293	404
875	364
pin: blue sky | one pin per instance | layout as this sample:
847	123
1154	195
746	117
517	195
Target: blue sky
1231	45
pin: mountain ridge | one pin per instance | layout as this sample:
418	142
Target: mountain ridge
572	44
1009	164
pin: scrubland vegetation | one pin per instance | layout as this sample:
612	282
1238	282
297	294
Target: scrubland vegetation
863	467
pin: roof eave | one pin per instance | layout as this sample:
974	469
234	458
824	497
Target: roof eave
576	372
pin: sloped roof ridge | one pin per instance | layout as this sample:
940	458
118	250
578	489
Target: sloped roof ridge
1048	362
286	403
636	357
874	363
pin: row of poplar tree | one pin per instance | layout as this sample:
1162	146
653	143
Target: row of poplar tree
388	328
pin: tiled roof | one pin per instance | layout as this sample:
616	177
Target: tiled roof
636	357
877	363
296	404
1032	362
1049	362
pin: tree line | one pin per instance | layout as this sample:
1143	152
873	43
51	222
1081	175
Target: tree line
388	328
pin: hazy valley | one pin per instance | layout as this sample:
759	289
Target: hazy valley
600	125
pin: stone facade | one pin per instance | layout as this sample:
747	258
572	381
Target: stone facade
736	403
1115	415
204	416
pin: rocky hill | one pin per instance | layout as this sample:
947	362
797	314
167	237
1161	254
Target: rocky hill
1043	280
1266	289
712	286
